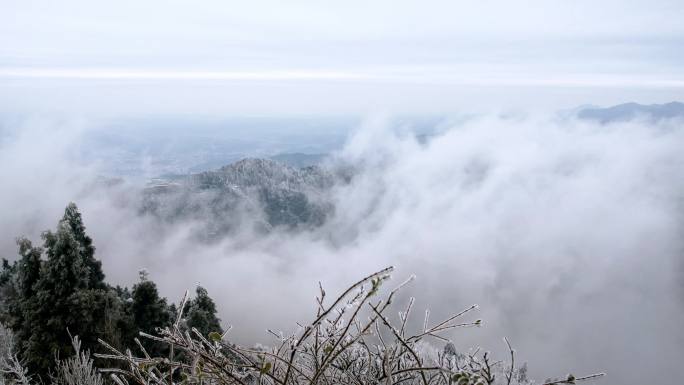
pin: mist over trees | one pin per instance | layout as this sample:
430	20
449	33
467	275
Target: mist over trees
56	309
58	290
542	221
262	194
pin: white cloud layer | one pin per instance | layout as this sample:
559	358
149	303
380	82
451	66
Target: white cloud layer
567	234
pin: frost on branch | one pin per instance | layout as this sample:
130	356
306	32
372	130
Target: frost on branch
351	340
77	369
11	369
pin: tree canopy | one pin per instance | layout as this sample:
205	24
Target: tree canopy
56	291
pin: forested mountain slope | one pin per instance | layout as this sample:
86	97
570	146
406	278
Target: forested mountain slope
261	192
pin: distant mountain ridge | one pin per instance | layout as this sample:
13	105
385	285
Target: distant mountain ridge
630	111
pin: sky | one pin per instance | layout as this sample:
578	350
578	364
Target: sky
350	56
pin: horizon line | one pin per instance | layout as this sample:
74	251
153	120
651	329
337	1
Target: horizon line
388	75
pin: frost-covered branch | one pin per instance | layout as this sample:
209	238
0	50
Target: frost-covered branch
77	369
351	341
11	369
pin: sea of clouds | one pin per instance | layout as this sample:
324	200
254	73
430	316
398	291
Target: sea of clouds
568	234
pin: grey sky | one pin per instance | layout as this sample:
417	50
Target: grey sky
610	45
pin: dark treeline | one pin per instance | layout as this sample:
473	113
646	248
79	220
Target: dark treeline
58	290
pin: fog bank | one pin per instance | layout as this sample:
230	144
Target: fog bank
568	234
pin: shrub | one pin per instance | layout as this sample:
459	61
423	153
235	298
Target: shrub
350	341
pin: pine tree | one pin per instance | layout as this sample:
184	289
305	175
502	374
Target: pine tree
69	294
20	287
73	217
7	272
201	313
28	269
16	282
8	292
119	324
148	310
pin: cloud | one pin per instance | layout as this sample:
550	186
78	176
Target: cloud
567	234
375	48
